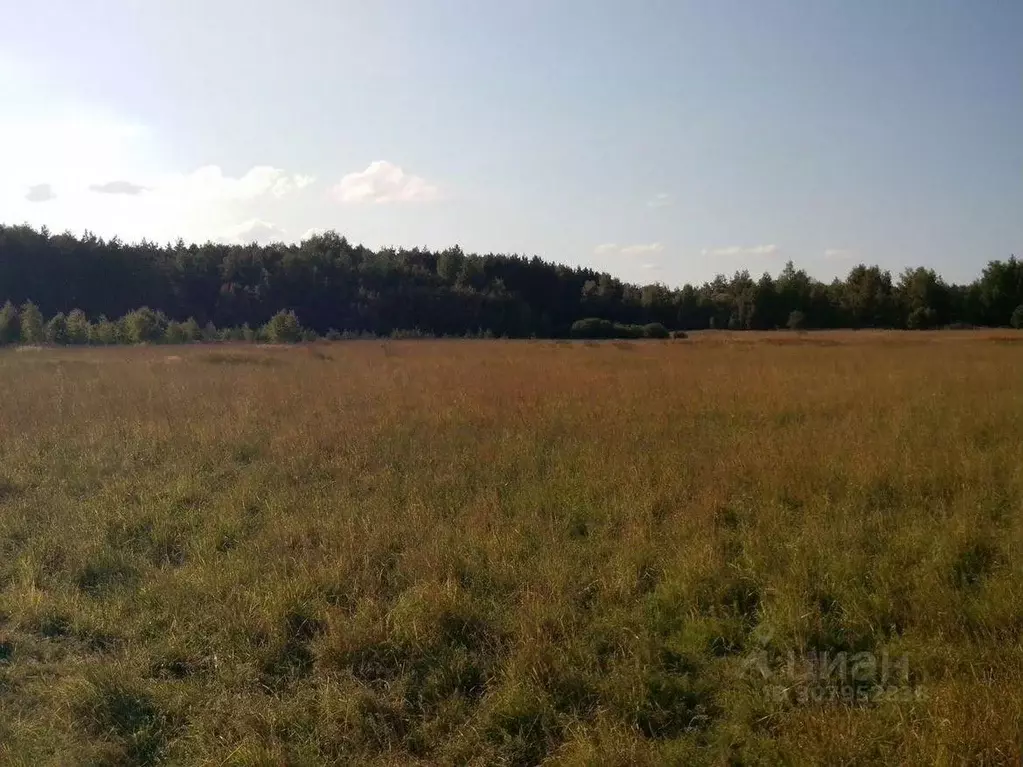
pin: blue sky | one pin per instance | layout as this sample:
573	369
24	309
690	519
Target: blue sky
661	141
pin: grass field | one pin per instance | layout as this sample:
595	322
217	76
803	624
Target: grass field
515	552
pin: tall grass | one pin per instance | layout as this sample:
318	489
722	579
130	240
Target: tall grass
511	552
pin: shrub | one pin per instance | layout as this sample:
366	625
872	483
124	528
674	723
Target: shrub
77	327
679	334
399	334
103	332
592	327
175	333
231	334
143	326
283	328
627	331
921	318
56	330
192	331
655	330
1017	318
10	324
31	324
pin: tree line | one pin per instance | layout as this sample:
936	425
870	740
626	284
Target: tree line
94	290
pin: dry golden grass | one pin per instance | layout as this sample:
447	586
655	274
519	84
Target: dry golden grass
511	552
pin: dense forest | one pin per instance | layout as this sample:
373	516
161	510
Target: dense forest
335	287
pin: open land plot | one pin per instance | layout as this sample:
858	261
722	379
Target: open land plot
746	548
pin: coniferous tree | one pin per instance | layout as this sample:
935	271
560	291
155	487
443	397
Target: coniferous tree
332	284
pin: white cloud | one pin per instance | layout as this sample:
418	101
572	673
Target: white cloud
109	175
210	184
607	247
738	250
253	230
637	250
40	193
838	253
659	200
384	182
317	231
118	187
286	185
206	204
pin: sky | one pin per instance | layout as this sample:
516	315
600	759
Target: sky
660	140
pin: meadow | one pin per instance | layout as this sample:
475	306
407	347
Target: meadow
515	552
